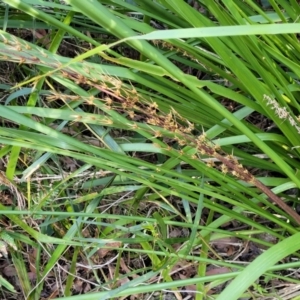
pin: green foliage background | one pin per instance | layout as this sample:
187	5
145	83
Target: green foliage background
159	102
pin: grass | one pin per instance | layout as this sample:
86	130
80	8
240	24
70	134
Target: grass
141	163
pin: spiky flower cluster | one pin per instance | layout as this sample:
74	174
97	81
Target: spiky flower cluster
229	164
172	122
124	97
113	91
129	100
282	112
165	45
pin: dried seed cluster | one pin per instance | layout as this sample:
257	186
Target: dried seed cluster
126	98
120	96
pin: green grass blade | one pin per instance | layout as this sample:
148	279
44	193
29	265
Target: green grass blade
269	258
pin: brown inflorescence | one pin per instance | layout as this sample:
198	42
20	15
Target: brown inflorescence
126	98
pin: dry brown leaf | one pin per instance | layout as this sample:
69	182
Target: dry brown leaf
191	288
230	250
216	271
77	285
32	258
175	232
87	288
126	269
53	295
224	242
102	252
31	276
9	271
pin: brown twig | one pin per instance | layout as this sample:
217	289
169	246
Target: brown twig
242	173
278	201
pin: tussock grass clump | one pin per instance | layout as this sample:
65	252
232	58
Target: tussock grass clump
158	157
